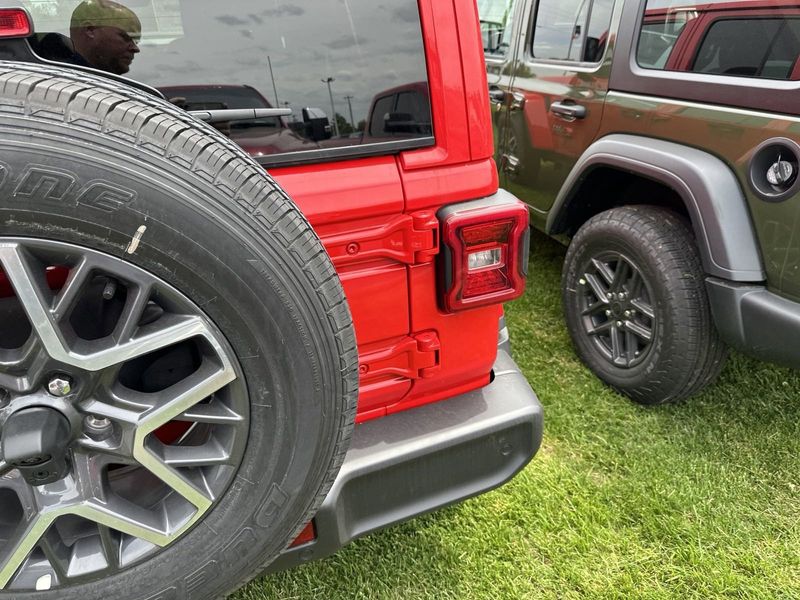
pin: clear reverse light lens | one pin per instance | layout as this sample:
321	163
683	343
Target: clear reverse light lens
484	259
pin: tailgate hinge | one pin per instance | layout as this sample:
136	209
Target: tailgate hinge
414	357
410	239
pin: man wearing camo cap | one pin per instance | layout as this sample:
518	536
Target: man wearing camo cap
105	35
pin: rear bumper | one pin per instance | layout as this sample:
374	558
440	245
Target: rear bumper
413	462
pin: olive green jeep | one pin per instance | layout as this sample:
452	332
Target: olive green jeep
660	140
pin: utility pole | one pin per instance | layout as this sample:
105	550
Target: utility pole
350	107
272	77
328	81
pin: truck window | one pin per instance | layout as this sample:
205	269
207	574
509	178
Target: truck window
326	61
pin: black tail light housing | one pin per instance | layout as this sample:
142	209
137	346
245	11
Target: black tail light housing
484	258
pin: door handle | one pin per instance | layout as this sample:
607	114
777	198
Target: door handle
497	95
568	110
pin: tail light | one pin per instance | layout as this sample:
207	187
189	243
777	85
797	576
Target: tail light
485	252
14	22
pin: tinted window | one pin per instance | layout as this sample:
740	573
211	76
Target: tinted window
742	39
574	30
326	61
766	48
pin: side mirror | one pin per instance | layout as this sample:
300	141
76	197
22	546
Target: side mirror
316	125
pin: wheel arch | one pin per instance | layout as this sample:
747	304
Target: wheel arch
694	182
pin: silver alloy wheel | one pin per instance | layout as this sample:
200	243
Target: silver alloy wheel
139	355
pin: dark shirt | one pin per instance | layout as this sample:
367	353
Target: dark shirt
58	48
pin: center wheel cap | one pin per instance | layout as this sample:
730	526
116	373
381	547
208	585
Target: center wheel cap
35	441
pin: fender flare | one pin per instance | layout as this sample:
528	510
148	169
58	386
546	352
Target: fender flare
708	187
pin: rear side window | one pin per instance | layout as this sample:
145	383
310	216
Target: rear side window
766	48
571	30
740	39
329	62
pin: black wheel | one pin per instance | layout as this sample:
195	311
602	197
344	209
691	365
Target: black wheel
178	369
636	306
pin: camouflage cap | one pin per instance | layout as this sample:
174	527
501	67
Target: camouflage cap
106	13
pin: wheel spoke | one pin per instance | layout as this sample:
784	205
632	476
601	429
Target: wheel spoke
643	307
209	379
64	301
210	453
604	270
602	328
594	308
215	412
19	546
32	292
621	275
597	287
169	330
617	349
134	310
643	333
111	546
56	553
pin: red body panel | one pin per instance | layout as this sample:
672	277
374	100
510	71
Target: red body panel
411	352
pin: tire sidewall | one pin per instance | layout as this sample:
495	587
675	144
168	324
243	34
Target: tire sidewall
251	299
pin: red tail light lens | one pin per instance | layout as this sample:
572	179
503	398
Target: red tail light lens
14	22
485	257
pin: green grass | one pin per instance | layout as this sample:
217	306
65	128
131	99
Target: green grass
696	500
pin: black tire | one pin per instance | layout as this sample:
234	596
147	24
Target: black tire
652	336
137	185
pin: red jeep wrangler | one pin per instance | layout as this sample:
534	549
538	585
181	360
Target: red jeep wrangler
191	377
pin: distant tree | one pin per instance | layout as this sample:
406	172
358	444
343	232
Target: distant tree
362	125
344	125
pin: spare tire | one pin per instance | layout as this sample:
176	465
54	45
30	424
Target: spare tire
174	340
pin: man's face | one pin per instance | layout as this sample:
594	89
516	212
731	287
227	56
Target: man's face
114	49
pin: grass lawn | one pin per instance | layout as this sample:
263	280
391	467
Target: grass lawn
695	500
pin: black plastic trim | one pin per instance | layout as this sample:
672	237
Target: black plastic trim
756	321
358	151
708	187
416	461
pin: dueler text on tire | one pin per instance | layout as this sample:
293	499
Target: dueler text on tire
174	339
636	306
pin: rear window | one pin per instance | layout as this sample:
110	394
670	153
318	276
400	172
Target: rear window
744	38
329	62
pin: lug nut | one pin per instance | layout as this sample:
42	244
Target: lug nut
619	323
97	428
627	313
60	386
608	313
